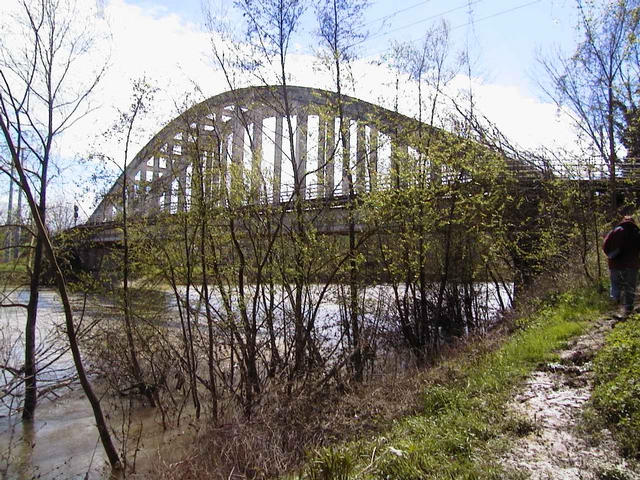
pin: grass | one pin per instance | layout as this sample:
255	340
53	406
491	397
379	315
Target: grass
14	272
616	396
463	424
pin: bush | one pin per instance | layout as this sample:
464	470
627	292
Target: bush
461	427
616	394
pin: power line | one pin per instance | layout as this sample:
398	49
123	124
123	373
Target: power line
393	14
466	5
497	14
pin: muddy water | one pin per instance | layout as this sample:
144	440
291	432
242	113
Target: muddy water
62	442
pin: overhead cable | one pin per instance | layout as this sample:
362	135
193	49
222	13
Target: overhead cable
466	5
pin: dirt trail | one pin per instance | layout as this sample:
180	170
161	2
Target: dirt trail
553	399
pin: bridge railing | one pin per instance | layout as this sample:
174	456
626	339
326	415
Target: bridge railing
594	168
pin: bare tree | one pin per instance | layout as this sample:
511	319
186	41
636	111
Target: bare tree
36	108
40	98
599	78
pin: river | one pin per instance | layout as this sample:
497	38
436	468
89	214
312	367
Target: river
62	442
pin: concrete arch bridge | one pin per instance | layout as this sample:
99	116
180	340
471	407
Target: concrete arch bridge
258	145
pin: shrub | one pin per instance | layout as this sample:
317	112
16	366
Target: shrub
616	394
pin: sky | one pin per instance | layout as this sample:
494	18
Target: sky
166	42
503	35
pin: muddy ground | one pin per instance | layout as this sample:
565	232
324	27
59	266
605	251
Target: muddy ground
553	401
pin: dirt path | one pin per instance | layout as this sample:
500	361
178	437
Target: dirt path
553	399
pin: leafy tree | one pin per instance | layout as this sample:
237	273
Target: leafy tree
340	28
270	28
444	206
630	133
130	195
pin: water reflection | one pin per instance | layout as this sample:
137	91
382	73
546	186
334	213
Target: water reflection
62	442
54	362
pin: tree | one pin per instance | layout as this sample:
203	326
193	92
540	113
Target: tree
270	29
630	132
598	83
37	104
340	28
61	216
36	108
125	130
440	212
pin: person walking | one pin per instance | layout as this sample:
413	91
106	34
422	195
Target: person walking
622	247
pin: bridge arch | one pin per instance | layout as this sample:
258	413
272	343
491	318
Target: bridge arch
240	140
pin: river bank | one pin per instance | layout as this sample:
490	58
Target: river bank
417	418
468	426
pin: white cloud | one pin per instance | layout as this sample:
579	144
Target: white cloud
526	121
175	55
523	119
169	52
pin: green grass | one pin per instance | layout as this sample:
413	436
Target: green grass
13	267
616	396
463	423
14	272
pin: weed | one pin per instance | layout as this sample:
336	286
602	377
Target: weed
453	435
445	422
592	425
519	425
331	464
611	474
438	399
616	395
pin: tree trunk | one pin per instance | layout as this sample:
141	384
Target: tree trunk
30	392
101	424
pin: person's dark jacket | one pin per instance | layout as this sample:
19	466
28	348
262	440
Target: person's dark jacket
622	246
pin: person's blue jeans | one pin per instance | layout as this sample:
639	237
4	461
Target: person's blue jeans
623	286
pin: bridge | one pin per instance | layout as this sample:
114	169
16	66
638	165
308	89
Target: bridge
258	146
270	148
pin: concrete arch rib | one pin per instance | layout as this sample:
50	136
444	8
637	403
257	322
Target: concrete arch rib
241	139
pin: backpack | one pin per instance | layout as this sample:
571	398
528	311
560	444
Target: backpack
612	245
